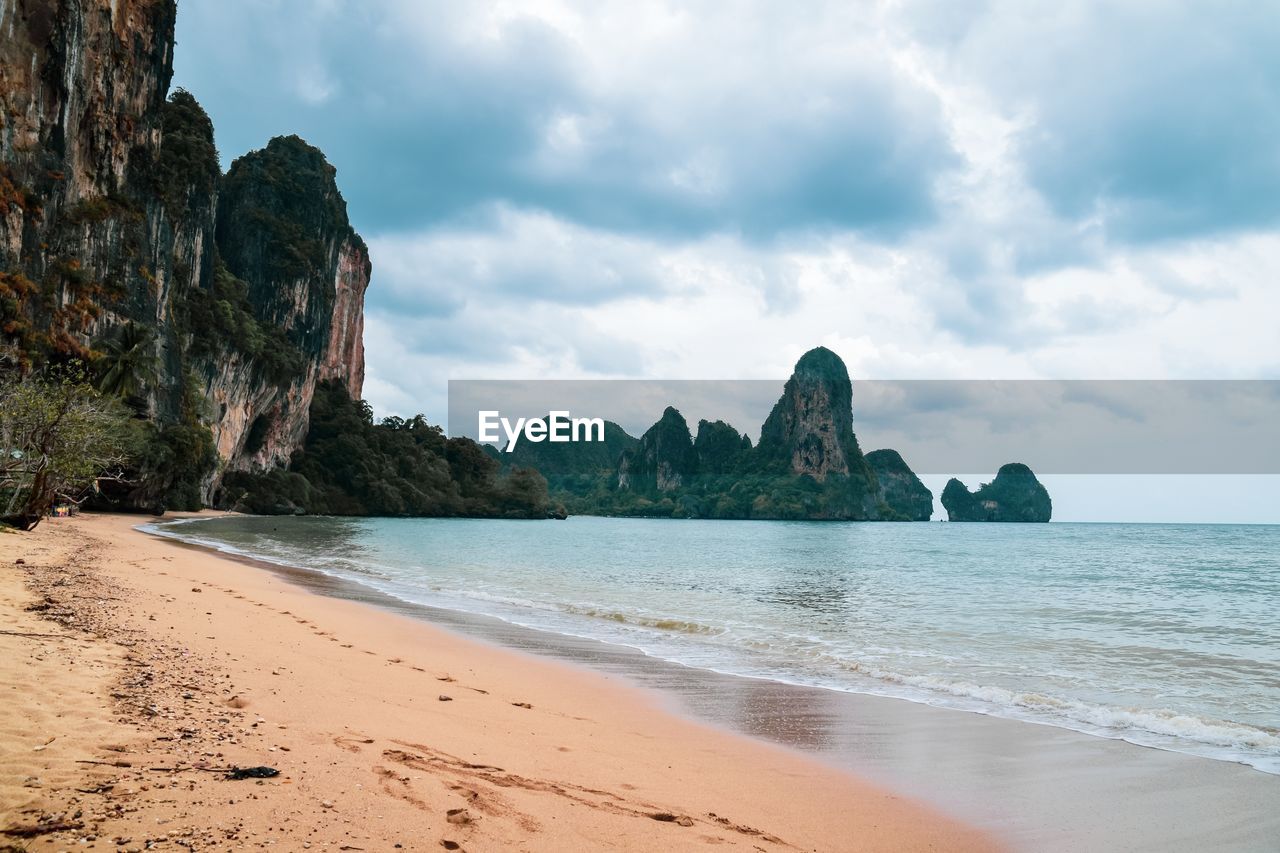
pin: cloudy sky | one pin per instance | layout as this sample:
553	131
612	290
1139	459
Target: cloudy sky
706	190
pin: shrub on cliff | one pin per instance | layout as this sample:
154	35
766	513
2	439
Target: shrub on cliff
221	320
187	167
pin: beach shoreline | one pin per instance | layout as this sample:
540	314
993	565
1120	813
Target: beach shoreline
164	665
1036	786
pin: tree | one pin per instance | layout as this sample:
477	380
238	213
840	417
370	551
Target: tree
58	436
128	363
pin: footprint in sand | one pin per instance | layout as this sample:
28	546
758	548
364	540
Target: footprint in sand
667	817
460	817
350	742
472	797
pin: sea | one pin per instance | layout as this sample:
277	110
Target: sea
1163	635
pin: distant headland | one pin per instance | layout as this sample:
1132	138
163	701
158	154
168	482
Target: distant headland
808	465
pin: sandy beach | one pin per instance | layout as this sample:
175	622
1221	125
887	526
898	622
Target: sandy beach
137	672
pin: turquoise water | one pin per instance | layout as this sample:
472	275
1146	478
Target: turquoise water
1163	635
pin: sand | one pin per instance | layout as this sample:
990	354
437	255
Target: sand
136	672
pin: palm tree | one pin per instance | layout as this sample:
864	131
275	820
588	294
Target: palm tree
128	363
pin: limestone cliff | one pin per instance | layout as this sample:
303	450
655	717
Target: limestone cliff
811	426
807	464
86	242
230	297
810	433
902	489
720	448
282	229
1014	495
664	460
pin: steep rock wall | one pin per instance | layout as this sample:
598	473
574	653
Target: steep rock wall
809	433
283	230
83	85
113	215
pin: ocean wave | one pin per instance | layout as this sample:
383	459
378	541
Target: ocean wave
1147	726
1119	721
666	624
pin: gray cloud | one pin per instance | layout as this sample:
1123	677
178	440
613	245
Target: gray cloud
512	258
1157	119
430	110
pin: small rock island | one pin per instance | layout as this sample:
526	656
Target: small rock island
1014	495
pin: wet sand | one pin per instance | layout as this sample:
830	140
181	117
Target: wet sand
136	674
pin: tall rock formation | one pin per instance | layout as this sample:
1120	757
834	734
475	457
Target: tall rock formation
807	464
282	229
720	448
901	488
810	433
811	426
113	218
89	240
1014	495
664	460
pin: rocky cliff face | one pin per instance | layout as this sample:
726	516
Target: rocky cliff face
1014	495
113	218
901	488
87	243
664	460
810	431
811	426
282	229
719	447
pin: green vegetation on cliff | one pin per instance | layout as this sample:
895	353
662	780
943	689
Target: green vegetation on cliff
351	466
187	169
222	318
280	220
